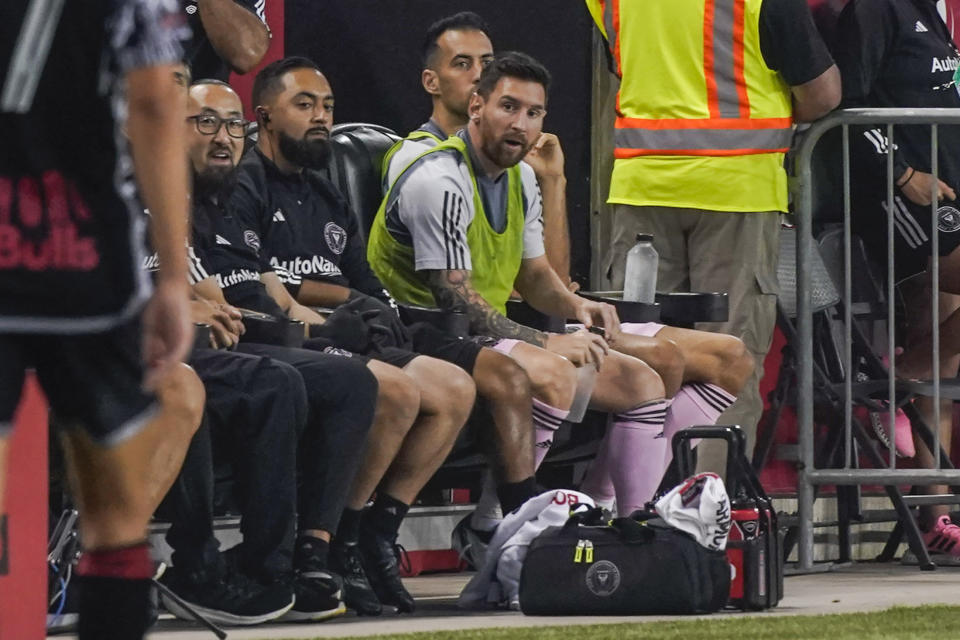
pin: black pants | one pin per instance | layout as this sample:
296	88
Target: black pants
342	397
255	413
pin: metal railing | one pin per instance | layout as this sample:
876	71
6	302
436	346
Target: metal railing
803	186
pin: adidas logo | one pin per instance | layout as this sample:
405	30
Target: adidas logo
278	216
222	240
919	28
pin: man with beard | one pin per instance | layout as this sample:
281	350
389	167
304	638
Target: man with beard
421	407
702	372
460	229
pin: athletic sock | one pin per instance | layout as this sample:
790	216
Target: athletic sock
386	514
311	552
635	452
488	513
348	531
546	420
597	483
696	403
114	593
514	494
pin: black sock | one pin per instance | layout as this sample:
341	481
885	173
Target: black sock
386	514
114	593
311	553
514	494
112	608
348	531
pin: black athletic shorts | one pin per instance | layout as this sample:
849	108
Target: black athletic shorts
93	380
426	340
912	224
390	355
463	352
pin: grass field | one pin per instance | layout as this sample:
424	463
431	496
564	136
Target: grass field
900	623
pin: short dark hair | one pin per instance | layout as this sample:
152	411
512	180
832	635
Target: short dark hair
463	21
268	78
512	64
215	81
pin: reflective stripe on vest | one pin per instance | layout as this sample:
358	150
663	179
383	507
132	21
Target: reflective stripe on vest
729	129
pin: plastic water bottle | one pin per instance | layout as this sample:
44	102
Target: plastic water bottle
640	281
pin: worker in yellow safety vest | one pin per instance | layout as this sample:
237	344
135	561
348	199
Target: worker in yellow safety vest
709	92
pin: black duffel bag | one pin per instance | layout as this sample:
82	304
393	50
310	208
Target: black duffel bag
633	566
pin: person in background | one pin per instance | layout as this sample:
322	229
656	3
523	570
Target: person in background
706	106
901	54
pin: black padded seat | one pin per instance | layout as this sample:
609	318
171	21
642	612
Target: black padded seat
358	151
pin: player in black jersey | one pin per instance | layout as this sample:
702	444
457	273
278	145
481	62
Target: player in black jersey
71	294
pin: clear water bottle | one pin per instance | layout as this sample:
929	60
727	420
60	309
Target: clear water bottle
640	281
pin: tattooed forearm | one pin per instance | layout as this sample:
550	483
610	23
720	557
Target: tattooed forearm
453	290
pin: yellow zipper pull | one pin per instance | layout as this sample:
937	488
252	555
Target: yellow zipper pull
578	552
589	546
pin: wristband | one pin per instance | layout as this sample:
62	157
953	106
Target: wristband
913	172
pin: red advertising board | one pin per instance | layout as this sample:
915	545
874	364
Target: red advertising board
23	541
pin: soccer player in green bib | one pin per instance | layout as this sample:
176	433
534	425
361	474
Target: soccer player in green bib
460	228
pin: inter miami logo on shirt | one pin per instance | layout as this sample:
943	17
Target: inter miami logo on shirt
336	237
603	578
948	219
252	240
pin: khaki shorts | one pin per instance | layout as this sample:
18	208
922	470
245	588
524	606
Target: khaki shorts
713	251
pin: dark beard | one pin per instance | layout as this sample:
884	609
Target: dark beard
502	156
310	154
214	184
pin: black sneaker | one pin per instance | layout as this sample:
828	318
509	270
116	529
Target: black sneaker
357	592
225	598
318	597
380	561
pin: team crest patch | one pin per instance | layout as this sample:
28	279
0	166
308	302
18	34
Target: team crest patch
336	237
948	219
603	578
252	239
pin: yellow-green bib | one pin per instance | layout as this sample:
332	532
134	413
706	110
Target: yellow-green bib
495	256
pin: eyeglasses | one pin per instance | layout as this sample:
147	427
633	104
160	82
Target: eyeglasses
209	124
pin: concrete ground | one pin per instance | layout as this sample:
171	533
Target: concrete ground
857	588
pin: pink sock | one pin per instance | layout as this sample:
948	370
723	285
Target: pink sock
546	420
597	483
695	404
635	451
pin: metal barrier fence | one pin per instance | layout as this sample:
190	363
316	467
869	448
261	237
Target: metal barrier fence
803	186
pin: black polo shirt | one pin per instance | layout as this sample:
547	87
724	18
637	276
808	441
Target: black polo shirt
70	224
898	53
305	225
224	249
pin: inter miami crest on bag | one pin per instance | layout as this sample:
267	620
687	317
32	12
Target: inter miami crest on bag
627	566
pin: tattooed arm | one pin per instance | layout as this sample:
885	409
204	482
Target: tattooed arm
452	289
